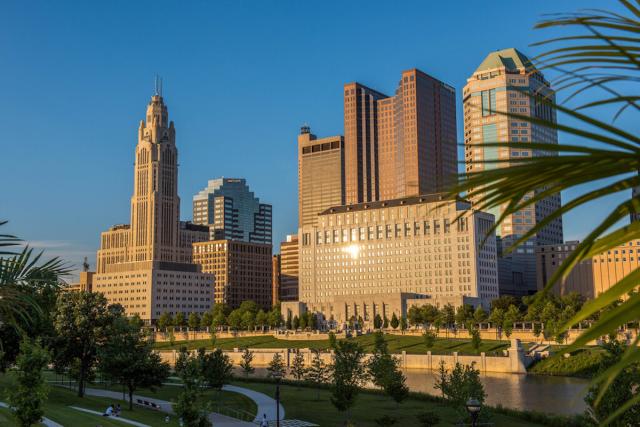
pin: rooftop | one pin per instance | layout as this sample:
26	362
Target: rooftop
511	59
405	201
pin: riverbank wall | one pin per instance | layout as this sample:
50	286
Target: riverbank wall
515	362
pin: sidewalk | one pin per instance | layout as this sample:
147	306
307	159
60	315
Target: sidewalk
266	405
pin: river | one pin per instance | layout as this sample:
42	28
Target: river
554	395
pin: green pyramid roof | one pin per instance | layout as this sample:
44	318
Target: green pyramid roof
511	59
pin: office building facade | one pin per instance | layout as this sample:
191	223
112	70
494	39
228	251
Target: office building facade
289	268
232	211
146	265
505	82
320	175
362	258
243	270
590	277
401	145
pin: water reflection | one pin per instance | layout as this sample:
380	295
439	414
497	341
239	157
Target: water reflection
555	395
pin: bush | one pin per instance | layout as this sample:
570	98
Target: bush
428	419
385	420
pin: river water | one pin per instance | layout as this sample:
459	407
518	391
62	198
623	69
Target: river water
554	395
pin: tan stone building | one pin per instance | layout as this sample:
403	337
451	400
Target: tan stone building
320	175
401	145
590	277
84	283
504	82
146	265
289	268
275	279
380	257
243	270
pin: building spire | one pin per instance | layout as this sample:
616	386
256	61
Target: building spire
158	82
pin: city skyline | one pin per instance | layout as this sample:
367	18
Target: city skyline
67	137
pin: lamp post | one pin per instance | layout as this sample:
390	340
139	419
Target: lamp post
277	375
473	407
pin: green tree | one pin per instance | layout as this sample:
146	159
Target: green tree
194	323
217	369
403	324
30	392
297	368
245	363
332	340
318	372
394	321
448	314
504	302
414	316
219	319
289	324
395	385
349	375
462	384
275	317
82	322
496	318
248	321
430	314
429	338
381	363
180	320
464	314
190	405
296	323
385	322
234	320
127	358
276	368
302	322
476	340
205	320
262	319
164	321
479	315
377	321
604	401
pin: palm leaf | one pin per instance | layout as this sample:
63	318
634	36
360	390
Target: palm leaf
604	57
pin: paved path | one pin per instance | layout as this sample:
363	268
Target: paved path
266	405
124	420
46	421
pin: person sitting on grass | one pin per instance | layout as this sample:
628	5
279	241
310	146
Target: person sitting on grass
108	412
118	410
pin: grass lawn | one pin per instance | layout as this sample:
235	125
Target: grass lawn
397	344
302	403
57	406
582	363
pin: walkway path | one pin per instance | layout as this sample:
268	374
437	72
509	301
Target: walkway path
124	420
266	405
46	421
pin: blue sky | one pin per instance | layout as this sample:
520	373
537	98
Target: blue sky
240	78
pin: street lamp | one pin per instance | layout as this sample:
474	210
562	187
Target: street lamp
473	407
277	375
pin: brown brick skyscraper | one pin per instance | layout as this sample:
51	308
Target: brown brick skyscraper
401	145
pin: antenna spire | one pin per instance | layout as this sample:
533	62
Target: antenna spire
158	85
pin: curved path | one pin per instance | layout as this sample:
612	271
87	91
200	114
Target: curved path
266	405
46	421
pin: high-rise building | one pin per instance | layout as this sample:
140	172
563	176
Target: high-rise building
590	277
320	175
289	263
399	146
242	270
275	279
232	211
381	257
146	266
505	82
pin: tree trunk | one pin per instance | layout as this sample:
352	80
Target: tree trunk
81	381
131	398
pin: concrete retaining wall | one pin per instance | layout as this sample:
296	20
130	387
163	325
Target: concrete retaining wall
516	362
